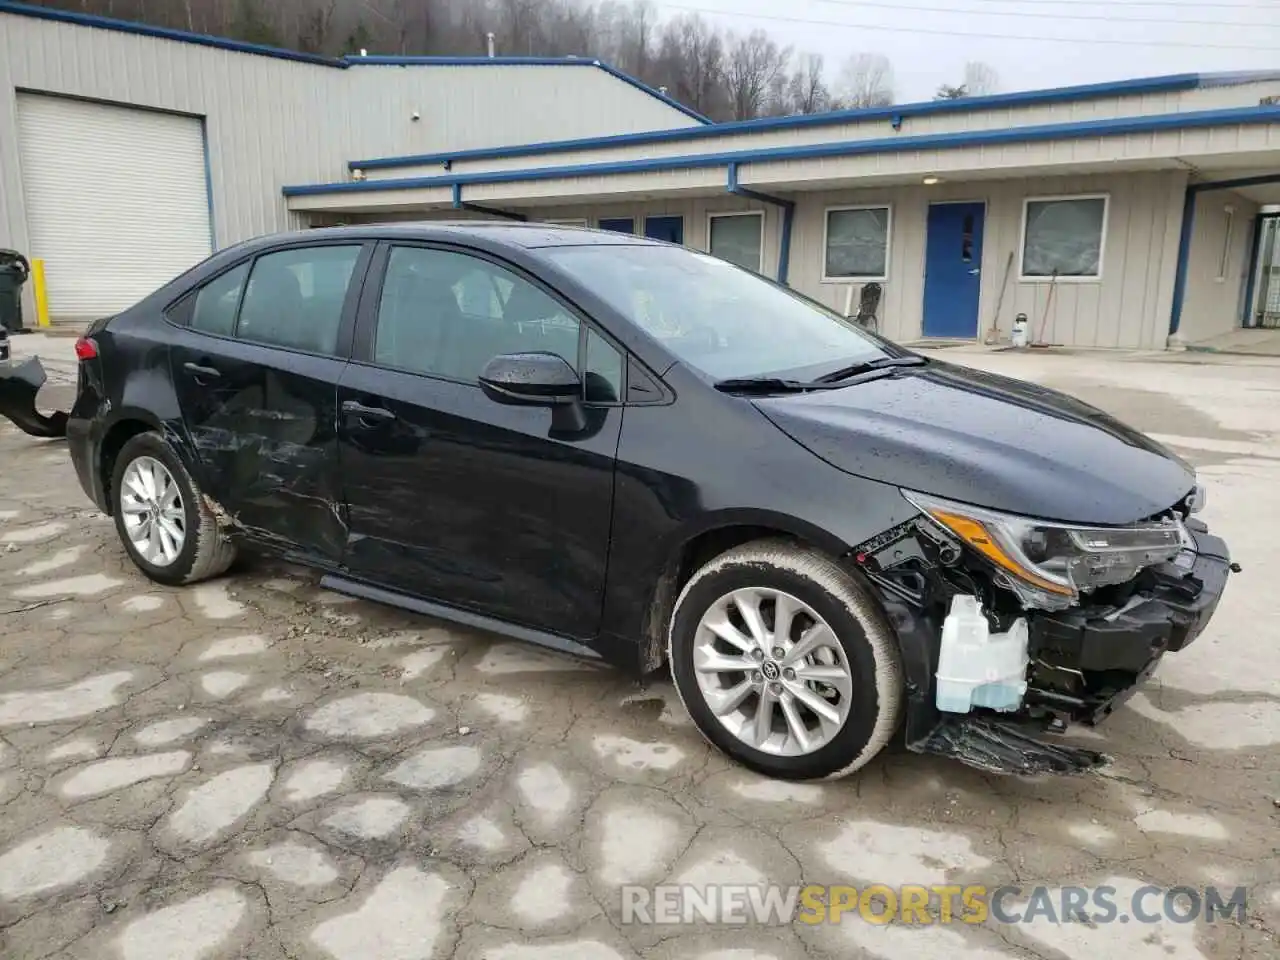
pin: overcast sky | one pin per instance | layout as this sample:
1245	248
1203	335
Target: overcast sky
1059	41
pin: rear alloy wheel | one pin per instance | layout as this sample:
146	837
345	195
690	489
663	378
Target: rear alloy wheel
154	515
785	662
167	529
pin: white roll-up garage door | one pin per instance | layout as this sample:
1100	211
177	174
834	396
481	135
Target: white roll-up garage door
116	198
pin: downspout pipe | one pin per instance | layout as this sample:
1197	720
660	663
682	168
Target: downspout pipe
460	204
1188	226
788	219
1255	247
1184	256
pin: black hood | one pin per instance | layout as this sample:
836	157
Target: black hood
987	440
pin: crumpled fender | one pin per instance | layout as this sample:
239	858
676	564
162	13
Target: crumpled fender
19	384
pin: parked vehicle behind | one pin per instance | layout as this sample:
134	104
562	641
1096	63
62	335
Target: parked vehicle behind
634	452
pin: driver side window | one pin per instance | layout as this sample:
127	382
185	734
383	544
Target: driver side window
448	314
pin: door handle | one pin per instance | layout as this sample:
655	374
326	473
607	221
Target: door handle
198	371
357	409
975	271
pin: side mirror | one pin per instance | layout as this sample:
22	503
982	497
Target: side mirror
531	379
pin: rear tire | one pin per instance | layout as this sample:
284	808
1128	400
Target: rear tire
153	492
817	699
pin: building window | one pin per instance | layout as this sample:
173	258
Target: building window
1063	237
738	238
857	243
617	224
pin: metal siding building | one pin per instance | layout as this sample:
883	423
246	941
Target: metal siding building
971	212
269	118
1134	151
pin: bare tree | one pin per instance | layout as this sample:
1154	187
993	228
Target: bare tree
807	90
866	80
753	64
520	31
390	23
316	26
692	62
777	99
980	79
948	92
645	20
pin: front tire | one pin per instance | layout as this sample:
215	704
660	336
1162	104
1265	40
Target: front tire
167	529
786	662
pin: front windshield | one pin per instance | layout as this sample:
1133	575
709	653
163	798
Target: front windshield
721	319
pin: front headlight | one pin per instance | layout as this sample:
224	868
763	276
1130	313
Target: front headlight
1058	560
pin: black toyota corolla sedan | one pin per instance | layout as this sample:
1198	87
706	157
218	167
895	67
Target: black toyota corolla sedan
635	452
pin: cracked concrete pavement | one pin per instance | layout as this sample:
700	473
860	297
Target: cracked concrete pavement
256	768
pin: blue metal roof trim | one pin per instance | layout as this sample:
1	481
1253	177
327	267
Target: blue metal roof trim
383	60
1042	132
163	33
1166	84
1241	76
388	61
641	85
222	43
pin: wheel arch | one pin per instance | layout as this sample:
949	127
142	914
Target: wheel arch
698	544
834	591
127	423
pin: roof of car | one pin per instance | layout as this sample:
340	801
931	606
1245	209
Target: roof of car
515	233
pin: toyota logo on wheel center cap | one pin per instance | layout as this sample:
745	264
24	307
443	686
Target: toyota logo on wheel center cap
770	670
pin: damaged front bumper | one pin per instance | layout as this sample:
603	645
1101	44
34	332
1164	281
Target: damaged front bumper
1082	662
19	384
1086	661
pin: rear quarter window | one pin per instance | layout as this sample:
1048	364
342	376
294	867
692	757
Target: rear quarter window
212	307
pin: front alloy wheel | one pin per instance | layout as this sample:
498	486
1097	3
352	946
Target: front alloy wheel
785	661
771	670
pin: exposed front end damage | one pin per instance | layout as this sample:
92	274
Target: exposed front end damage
1085	654
19	384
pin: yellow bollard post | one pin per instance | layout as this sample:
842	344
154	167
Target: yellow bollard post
40	292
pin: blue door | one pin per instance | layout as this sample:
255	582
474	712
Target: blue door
952	263
618	224
670	229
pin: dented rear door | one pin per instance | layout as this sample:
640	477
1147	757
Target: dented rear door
263	429
258	393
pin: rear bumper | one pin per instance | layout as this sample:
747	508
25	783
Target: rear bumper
19	384
1086	662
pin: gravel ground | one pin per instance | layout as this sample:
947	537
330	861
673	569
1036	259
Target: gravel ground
257	768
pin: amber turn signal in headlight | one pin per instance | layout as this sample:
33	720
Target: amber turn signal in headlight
1057	558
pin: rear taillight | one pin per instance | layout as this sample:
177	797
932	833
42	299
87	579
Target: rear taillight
86	349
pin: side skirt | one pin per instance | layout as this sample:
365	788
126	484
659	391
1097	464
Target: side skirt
464	617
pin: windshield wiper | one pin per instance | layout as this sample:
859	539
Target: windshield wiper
882	363
768	385
825	382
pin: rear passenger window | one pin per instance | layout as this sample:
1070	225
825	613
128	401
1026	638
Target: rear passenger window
448	314
295	298
216	302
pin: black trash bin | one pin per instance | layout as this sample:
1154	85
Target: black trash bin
14	270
